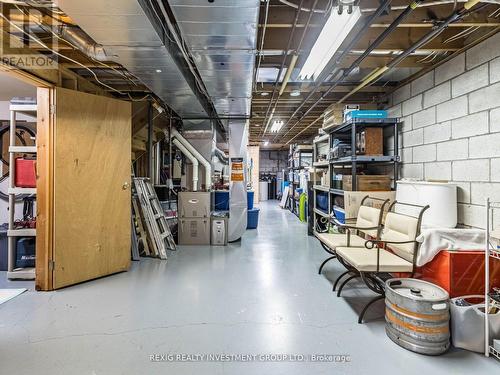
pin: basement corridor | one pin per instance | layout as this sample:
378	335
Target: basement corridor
260	296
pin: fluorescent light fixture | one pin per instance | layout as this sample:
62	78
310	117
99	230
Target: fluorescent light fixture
335	31
295	93
266	143
276	126
264	93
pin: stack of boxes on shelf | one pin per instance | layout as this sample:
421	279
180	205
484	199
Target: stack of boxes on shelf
356	162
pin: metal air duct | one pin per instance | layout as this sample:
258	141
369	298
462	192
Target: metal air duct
132	34
221	36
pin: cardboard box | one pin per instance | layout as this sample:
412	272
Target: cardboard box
367	182
352	201
370	141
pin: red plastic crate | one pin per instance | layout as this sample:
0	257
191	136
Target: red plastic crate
25	173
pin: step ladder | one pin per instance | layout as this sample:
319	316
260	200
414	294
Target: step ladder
156	222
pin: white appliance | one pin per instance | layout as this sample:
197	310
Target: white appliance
440	196
194	218
263	191
219	231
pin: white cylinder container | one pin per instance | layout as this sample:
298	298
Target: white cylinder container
440	196
263	190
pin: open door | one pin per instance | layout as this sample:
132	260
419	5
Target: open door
83	222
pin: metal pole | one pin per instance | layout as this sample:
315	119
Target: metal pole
487	281
150	142
12	198
170	180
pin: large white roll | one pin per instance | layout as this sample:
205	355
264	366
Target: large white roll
441	197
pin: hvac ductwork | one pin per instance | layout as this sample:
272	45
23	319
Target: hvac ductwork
79	39
130	32
175	135
222	37
191	157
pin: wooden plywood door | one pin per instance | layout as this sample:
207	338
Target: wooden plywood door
91	187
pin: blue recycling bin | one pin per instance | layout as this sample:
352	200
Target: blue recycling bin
222	200
250	195
253	218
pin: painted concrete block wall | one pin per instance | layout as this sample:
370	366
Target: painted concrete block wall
451	127
273	161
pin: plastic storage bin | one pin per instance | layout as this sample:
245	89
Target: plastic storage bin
222	201
339	214
3	248
467	323
25	173
322	201
250	195
253	218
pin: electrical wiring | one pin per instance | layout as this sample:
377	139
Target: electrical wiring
60	55
461	34
75	62
76	48
427	57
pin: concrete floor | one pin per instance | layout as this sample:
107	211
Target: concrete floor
260	296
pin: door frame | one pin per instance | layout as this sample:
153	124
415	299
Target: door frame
45	189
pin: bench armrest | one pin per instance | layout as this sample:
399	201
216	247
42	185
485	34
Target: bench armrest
339	224
370	244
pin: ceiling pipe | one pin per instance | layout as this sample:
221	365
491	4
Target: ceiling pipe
379	72
261	45
289	43
289	71
366	26
295	56
191	157
81	41
291	66
358	61
208	167
394	8
221	155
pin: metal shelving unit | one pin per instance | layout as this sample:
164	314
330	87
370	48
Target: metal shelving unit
347	131
13	233
491	252
320	165
297	152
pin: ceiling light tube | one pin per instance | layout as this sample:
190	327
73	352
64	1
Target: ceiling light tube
333	34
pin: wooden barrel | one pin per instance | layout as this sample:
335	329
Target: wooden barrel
417	315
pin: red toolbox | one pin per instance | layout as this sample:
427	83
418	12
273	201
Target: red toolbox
25	173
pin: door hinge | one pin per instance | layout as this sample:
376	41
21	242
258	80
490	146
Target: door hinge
52	265
52	109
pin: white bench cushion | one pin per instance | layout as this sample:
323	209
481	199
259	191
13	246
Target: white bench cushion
368	217
365	260
333	240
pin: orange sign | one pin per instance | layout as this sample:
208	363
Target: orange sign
237	170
